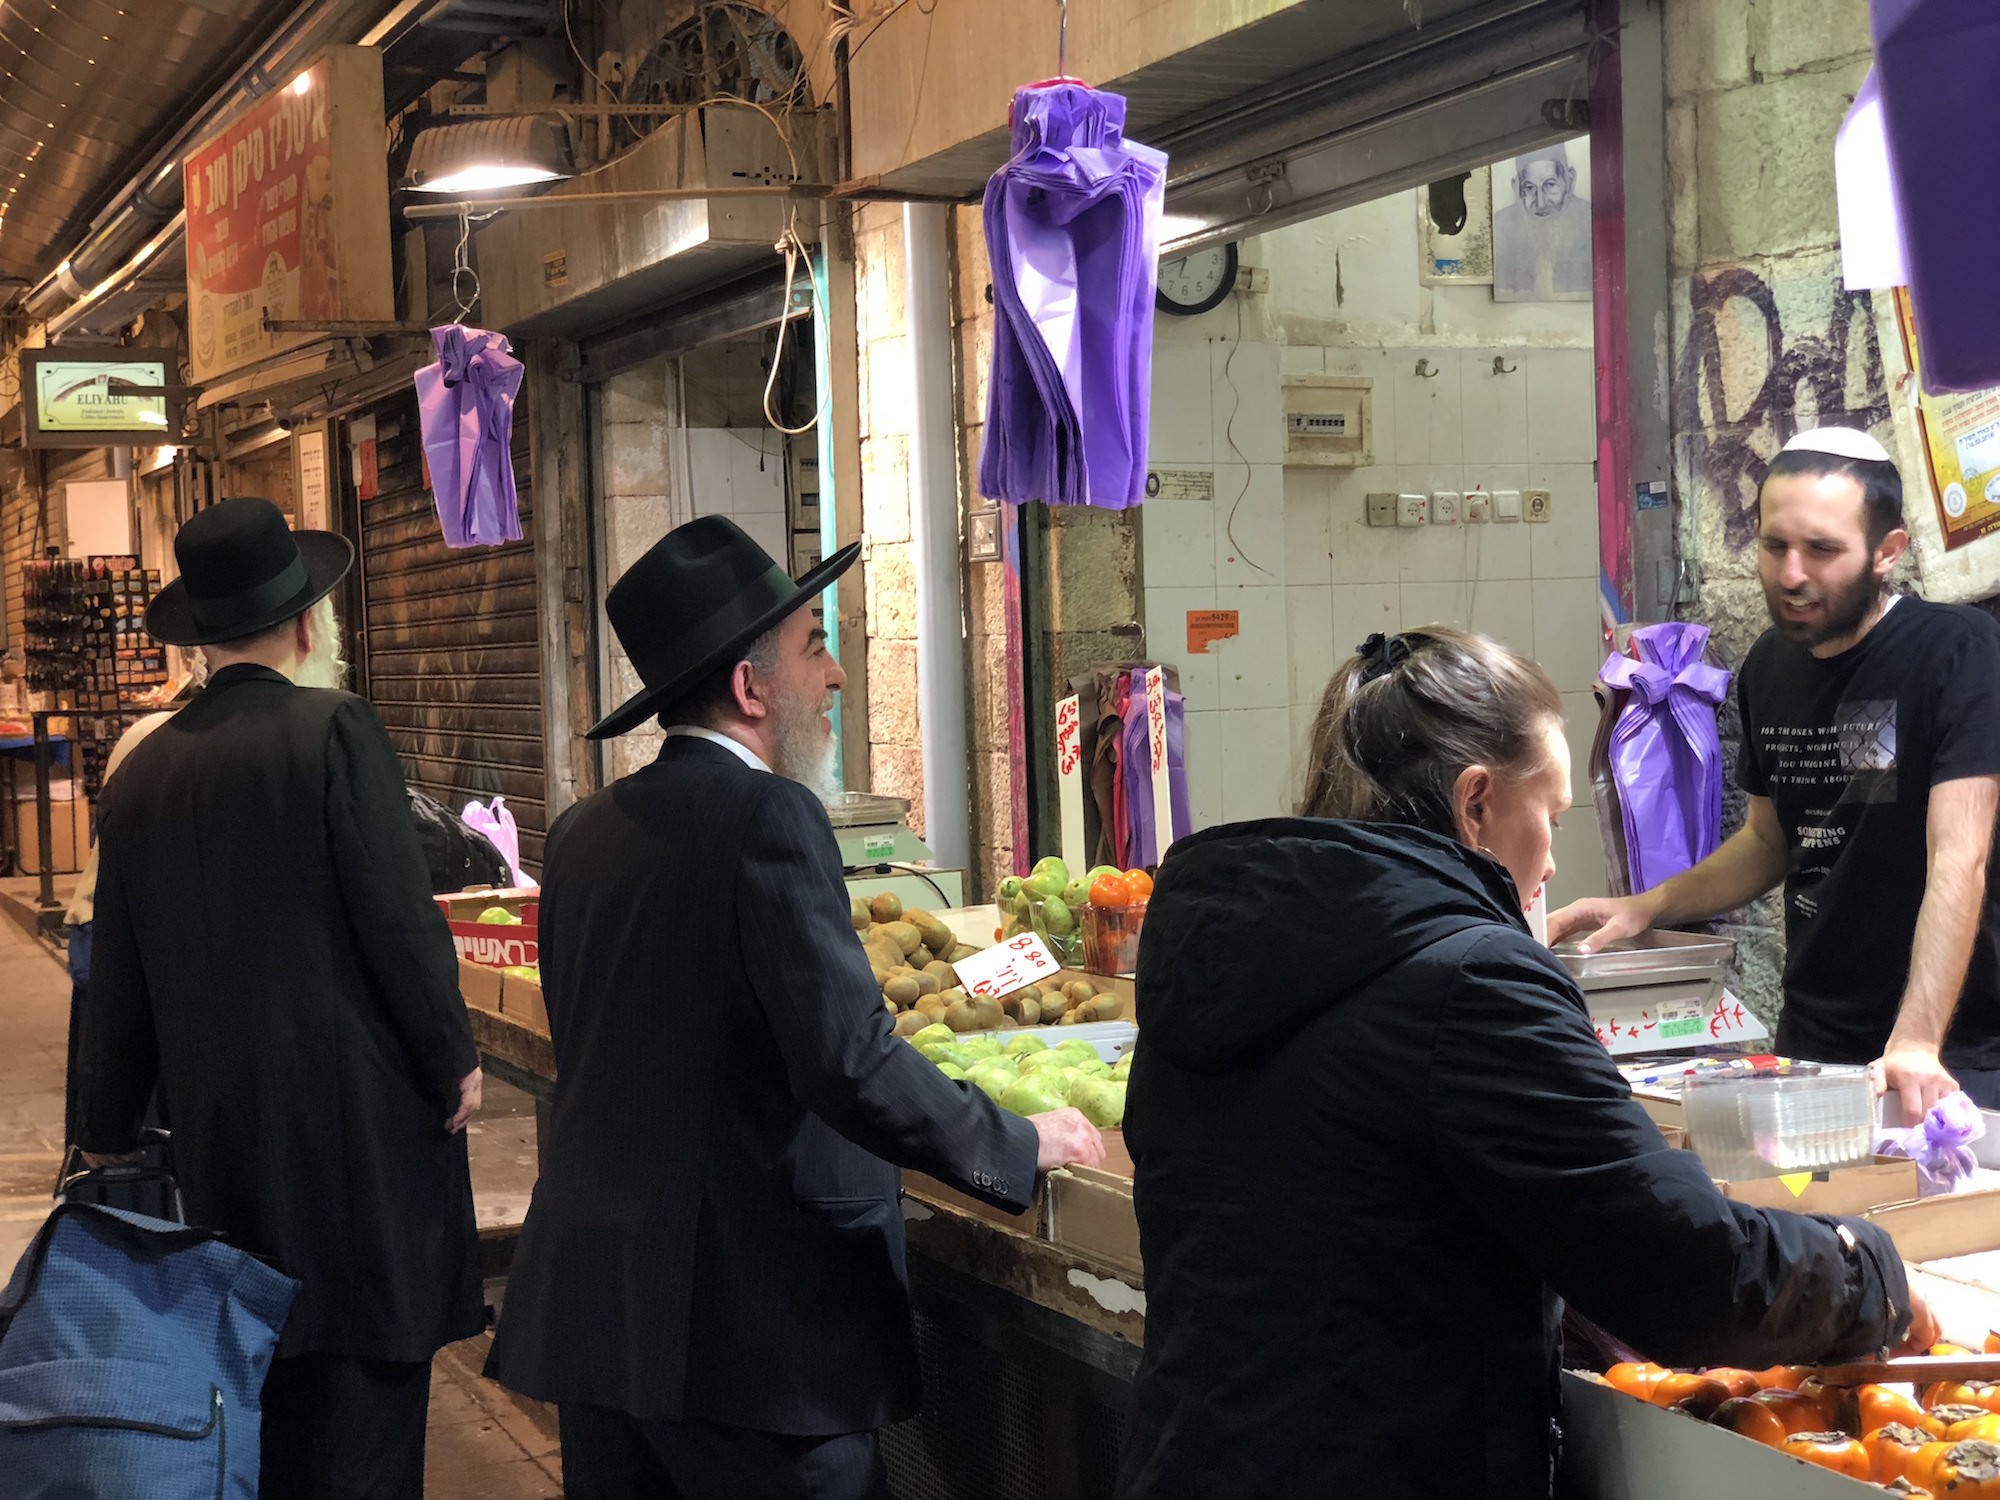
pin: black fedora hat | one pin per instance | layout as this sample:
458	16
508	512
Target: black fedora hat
702	593
243	570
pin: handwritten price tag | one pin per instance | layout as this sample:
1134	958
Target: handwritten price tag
1677	1022
1069	780
1007	967
1069	735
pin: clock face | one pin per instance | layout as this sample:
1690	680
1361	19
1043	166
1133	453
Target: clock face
1196	281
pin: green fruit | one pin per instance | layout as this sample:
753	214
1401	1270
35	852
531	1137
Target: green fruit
1095	1067
1031	1097
933	1033
952	1071
1078	1052
991	1082
1010	887
1052	866
1022	1046
1122	1069
499	916
1045	885
1097	870
1033	1062
1102	1102
981	1048
530	972
1056	917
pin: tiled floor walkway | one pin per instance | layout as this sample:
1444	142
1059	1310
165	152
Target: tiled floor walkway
485	1443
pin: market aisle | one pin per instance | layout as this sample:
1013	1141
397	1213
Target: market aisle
34	1037
485	1444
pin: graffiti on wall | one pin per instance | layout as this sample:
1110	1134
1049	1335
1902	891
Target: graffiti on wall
1748	384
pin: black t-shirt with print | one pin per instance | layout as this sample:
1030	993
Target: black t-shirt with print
1848	749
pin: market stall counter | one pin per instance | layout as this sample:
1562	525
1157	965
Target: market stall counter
1029	1326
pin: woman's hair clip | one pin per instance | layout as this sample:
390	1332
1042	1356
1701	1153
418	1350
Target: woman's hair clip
1382	654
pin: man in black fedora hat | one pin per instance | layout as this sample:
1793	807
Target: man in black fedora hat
268	950
710	1282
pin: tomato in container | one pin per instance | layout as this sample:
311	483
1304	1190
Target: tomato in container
1832	1450
1111	922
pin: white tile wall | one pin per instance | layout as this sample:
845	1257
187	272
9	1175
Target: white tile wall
1429	425
1249	516
1579	856
1182	426
1562	410
1248	398
1256	752
1179	541
1569	637
1359	611
1166	641
1308	526
1202	743
1251	667
1495	408
739	472
1311	632
1580	714
1565	546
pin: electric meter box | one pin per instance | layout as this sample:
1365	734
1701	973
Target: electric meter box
1329	420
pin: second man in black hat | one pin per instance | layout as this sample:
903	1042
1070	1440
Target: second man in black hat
711	1281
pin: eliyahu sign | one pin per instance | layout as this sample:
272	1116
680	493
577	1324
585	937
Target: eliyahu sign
83	398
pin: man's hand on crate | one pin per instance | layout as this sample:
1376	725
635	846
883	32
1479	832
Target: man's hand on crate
1066	1137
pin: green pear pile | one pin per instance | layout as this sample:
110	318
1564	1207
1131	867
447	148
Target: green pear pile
1026	1076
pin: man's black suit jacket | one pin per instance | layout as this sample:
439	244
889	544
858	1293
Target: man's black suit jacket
267	948
717	1233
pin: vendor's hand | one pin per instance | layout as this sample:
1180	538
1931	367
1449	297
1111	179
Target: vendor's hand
98	1159
1923	1323
468	1102
1601	920
1066	1137
1913	1072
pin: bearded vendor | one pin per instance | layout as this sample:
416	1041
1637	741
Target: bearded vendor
1871	756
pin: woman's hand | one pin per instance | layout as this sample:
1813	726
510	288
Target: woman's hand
1923	1322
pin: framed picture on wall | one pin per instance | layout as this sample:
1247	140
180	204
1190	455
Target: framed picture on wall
1464	257
1541	224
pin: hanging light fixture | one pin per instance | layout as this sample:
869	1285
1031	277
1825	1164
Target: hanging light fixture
483	155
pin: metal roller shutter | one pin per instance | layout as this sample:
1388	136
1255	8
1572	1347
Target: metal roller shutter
451	644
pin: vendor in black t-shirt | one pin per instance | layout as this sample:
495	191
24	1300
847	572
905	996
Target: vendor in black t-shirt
1871	728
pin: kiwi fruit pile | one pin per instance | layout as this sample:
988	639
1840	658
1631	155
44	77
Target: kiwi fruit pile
911	954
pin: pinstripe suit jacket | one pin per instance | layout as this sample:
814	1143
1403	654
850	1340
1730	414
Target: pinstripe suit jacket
716	1234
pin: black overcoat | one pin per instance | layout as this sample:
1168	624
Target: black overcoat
1378	1144
717	1232
266	945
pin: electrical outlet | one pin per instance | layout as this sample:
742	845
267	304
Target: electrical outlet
1382	510
1506	505
1410	509
1479	509
1445	507
1536	505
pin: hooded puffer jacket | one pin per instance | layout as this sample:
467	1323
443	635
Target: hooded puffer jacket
1377	1143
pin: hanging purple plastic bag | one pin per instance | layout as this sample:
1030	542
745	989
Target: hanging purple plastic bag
1941	1145
465	403
1666	755
1143	850
1073	239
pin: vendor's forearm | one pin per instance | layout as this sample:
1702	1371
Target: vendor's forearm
1746	866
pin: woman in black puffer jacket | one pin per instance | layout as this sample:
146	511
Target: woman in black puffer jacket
1378	1141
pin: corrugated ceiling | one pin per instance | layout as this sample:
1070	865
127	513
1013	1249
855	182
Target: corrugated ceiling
86	88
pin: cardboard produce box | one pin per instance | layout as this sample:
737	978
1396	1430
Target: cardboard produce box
497	945
521	1000
1844	1190
1028	1222
1091	1214
1945	1226
480	985
69	835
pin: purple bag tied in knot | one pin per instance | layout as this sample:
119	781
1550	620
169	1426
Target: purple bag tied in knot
1665	751
1941	1145
1072	233
465	405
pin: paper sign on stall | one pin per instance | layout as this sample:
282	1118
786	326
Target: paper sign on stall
1007	967
1069	775
1156	738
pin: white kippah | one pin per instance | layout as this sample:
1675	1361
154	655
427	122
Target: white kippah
1841	442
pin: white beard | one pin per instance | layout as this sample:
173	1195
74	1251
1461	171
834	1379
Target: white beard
804	752
324	667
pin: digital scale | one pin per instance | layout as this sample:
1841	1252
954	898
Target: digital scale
879	853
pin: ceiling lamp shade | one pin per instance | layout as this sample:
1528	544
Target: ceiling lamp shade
482	155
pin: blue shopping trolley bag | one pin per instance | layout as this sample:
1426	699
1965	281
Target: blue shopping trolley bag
132	1360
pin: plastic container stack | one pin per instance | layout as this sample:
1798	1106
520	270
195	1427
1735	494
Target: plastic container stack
1798	1117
